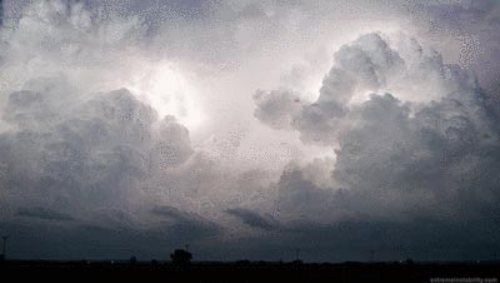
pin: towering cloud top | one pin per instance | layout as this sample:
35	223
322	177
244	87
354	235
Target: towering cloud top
244	128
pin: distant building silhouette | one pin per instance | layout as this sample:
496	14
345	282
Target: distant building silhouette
181	256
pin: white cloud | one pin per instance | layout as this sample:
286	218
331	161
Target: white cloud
231	120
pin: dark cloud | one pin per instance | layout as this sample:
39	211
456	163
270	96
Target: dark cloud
254	219
299	198
434	162
187	225
43	213
51	240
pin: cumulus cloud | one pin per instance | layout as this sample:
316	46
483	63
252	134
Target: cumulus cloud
93	153
397	160
368	65
404	167
133	126
277	108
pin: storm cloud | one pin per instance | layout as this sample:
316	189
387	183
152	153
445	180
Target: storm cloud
250	129
397	159
253	219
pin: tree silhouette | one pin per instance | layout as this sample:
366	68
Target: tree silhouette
181	257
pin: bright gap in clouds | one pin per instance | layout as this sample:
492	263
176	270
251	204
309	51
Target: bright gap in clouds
78	150
170	92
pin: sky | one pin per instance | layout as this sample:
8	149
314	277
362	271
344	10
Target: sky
351	130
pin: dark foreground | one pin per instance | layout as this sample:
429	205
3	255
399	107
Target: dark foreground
483	272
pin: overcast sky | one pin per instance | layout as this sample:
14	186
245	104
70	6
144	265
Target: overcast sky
248	129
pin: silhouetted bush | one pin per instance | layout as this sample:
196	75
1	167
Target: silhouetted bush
181	256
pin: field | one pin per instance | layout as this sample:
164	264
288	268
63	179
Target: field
245	271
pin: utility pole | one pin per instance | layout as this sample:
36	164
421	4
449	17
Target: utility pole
297	254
